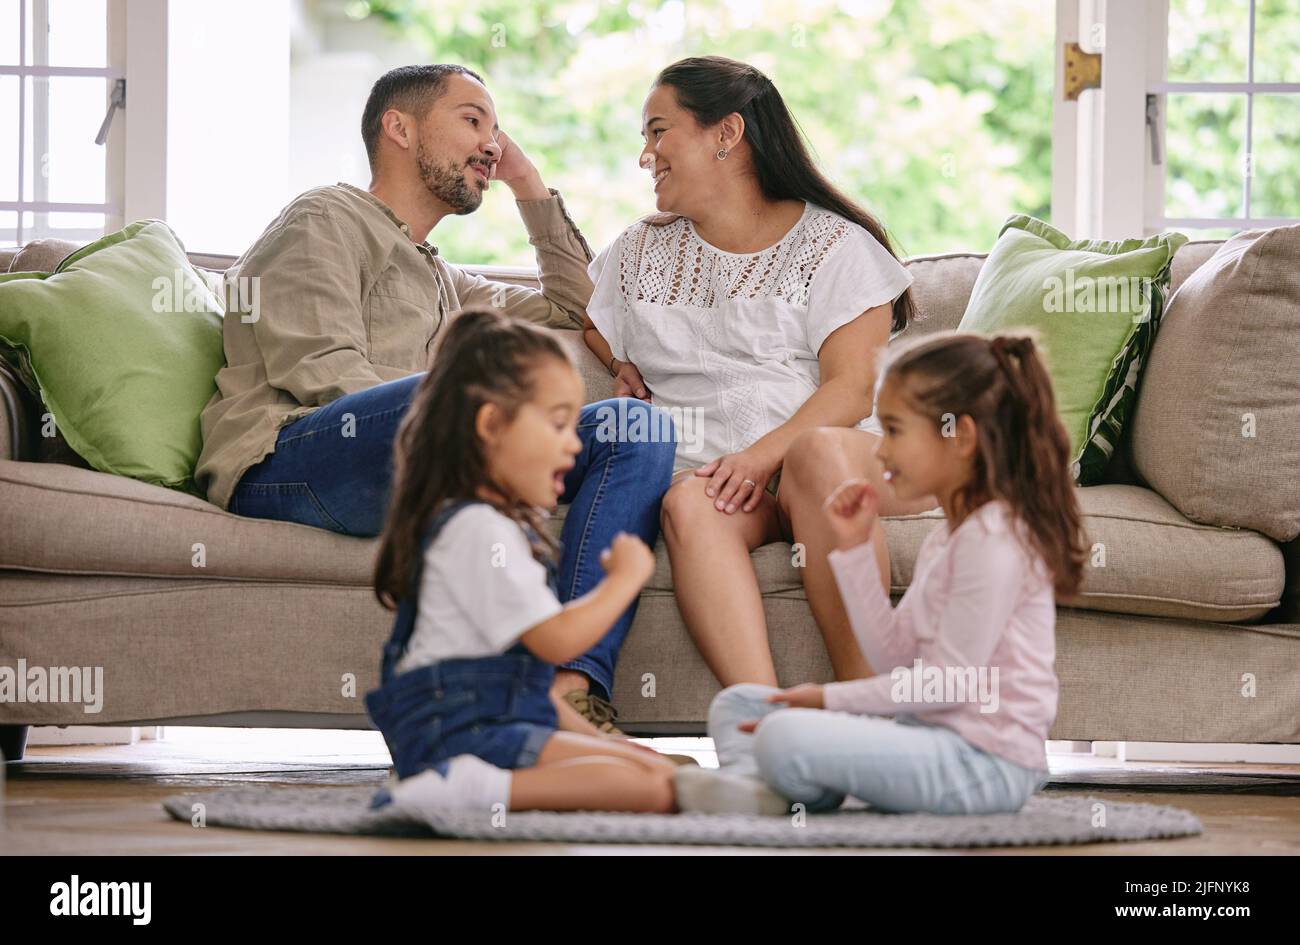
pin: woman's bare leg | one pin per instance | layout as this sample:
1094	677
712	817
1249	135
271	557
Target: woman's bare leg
816	463
582	772
714	581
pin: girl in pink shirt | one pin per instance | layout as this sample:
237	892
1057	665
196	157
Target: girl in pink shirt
956	718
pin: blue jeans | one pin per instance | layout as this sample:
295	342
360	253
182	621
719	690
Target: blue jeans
817	758
333	469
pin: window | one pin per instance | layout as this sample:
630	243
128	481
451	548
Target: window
934	114
1195	126
56	81
1231	106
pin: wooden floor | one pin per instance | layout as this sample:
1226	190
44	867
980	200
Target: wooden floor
107	799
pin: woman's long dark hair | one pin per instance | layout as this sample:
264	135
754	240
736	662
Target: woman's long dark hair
1023	451
712	87
485	357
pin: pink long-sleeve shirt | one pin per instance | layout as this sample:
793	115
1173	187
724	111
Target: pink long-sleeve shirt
971	644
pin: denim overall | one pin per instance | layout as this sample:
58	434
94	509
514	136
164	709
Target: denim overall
496	707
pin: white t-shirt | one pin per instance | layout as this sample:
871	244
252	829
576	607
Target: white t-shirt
728	342
480	590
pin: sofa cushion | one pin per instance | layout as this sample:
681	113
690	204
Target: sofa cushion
75	521
1145	558
1190	257
1217	428
42	255
941	288
599	382
65	520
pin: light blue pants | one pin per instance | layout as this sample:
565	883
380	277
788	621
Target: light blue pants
817	758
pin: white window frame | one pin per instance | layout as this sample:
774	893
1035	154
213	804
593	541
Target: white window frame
1161	87
40	205
1105	184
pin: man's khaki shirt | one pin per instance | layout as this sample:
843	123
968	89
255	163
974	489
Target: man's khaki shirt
346	300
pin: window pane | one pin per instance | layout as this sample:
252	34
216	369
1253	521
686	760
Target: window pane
9	135
1277	41
62	161
1208	40
78	33
9	32
1275	188
8	228
76	227
1206	149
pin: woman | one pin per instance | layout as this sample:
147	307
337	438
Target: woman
752	308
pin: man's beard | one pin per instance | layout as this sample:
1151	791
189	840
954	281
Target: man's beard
447	183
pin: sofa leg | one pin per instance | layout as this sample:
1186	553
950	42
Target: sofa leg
13	741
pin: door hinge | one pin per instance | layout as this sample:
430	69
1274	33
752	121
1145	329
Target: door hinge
1082	71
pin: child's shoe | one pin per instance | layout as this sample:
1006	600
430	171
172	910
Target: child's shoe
724	791
463	783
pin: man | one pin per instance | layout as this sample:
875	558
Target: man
350	301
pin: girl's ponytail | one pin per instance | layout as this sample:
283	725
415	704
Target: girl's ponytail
1034	459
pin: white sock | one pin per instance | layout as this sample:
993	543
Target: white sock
470	784
725	791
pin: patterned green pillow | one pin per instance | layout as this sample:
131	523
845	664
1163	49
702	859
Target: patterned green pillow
16	357
1096	305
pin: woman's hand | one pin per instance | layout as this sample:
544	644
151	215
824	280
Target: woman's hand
738	478
851	512
628	381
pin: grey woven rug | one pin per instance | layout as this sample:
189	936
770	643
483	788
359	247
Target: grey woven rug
1044	820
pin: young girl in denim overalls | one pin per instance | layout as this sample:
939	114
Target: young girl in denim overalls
464	698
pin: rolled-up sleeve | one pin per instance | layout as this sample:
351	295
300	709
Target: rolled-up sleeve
562	258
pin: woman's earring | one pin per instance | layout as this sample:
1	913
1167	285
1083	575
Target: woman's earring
722	154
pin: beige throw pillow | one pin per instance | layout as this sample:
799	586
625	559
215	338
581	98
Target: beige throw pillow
1217	425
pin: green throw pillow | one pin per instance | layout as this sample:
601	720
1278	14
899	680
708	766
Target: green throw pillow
1096	305
123	341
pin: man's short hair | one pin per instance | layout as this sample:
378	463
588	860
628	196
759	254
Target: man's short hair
411	89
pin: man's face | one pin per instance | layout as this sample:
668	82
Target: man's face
456	145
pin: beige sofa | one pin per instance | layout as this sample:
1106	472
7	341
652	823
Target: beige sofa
280	628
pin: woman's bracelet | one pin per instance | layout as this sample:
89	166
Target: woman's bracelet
610	366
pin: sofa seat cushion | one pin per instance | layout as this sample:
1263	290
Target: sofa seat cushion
65	520
1147	559
58	519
